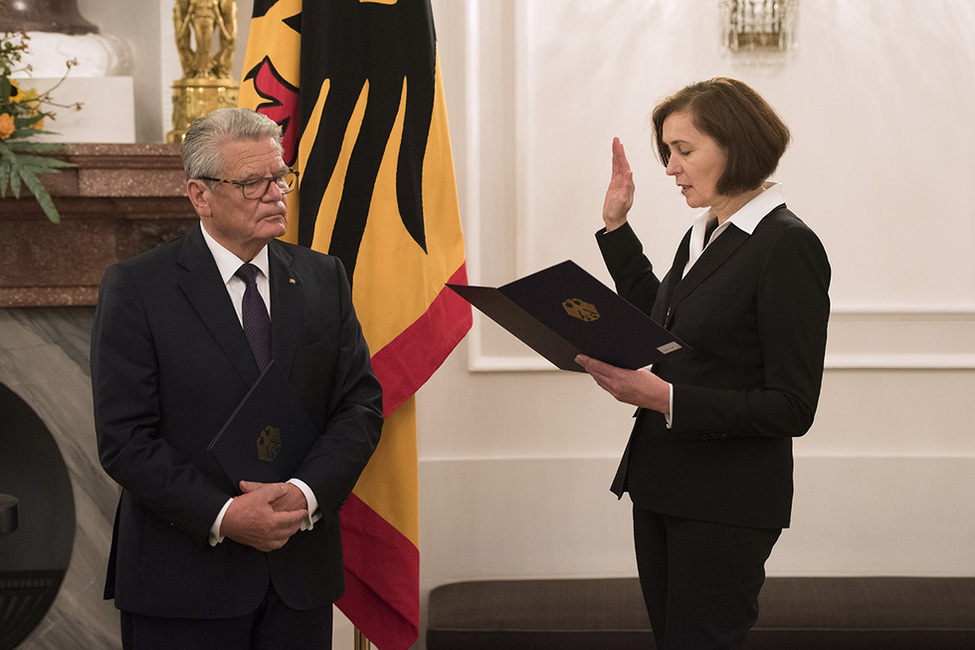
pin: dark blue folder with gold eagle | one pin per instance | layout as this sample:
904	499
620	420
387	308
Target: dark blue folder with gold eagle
268	435
563	311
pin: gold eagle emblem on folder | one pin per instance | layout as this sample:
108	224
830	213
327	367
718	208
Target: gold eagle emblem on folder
268	443
580	309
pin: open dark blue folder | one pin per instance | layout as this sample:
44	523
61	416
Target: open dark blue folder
268	435
563	311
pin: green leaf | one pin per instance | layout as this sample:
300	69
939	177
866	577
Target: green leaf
36	147
41	165
21	161
4	176
28	124
43	198
15	181
21	133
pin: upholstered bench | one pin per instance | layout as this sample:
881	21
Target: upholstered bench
797	613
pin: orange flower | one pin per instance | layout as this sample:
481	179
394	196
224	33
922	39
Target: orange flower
6	126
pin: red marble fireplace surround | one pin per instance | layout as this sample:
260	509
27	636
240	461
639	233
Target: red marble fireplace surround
120	200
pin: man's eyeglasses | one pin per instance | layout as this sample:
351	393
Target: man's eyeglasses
257	187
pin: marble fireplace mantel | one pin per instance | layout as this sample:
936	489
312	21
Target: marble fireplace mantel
121	199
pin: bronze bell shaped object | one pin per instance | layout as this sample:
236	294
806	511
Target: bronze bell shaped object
61	16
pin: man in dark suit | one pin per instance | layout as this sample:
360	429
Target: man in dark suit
197	562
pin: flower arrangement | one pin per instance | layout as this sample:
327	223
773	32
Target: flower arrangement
22	115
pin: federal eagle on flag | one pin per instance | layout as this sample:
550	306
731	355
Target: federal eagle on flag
356	88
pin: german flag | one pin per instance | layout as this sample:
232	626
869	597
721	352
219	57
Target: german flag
356	86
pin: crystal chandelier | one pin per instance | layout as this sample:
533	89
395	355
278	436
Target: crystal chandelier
759	30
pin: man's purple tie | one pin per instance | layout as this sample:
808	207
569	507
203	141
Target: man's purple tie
257	325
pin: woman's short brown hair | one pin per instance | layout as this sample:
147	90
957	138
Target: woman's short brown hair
739	120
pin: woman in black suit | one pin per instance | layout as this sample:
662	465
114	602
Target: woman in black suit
709	462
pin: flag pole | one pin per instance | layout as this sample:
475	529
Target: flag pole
361	642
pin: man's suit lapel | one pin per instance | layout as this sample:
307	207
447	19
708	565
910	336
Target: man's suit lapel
287	307
710	261
203	287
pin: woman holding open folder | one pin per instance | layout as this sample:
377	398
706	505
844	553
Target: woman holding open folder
709	462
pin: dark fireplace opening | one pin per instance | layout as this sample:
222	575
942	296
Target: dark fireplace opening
35	555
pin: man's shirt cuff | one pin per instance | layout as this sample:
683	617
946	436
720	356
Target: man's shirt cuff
670	415
313	513
215	536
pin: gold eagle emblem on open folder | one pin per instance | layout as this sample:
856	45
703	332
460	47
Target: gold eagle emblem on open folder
580	309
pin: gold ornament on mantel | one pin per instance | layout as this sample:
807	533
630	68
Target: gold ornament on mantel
206	84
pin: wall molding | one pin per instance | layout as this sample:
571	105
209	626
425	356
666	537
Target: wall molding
862	337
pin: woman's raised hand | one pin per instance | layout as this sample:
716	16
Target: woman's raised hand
619	194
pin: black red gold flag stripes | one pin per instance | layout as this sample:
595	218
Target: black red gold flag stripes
356	86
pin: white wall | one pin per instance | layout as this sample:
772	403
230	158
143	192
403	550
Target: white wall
516	459
147	27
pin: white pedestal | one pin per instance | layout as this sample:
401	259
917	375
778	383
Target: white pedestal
108	114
